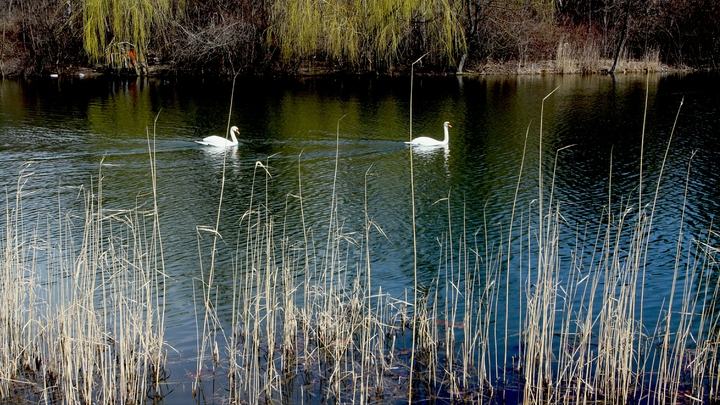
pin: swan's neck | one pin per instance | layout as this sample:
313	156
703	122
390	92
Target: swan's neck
232	135
446	138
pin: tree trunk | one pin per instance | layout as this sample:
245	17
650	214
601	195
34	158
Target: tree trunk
459	70
623	36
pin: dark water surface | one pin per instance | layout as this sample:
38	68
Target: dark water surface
67	131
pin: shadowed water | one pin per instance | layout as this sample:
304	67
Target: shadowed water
62	135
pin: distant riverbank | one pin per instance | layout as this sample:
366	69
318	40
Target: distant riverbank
384	37
568	66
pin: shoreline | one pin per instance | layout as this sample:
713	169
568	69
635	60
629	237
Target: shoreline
512	68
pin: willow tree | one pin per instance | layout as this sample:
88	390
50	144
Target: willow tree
297	26
367	32
119	31
445	31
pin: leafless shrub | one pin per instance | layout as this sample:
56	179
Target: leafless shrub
10	52
228	42
45	35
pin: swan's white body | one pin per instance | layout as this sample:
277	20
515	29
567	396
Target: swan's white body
427	141
219	141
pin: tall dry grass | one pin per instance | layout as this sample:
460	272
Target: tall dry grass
585	337
84	321
81	301
584	56
309	323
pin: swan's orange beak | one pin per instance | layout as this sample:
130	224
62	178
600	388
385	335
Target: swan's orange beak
449	125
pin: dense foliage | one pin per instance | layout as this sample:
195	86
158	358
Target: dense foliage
384	36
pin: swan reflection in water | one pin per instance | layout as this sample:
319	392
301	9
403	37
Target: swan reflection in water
231	155
428	153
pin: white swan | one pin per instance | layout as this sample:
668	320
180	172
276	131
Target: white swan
426	141
221	142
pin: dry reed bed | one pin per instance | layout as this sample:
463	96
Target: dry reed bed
331	334
81	313
85	322
309	324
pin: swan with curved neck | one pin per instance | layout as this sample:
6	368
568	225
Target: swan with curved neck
427	141
219	141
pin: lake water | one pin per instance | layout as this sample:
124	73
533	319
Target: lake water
70	130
